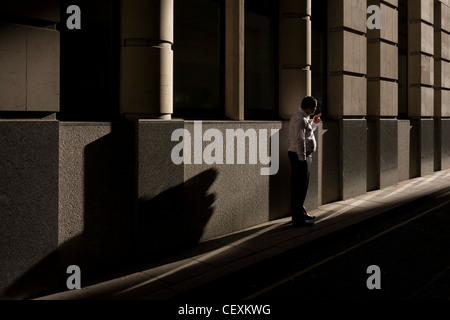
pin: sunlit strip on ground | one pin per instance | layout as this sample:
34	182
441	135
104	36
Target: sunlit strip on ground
201	258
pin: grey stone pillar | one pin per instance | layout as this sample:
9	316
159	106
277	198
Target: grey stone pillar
441	80
234	59
382	98
421	81
295	55
347	92
347	60
146	62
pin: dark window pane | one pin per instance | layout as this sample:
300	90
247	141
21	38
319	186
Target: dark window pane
90	60
403	59
319	54
198	57
260	55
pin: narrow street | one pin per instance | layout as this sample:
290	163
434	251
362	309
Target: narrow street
409	249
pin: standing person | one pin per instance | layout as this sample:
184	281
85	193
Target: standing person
302	144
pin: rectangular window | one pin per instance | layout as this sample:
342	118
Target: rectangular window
261	47
403	59
319	56
90	63
198	58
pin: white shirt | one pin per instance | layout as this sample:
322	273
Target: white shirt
301	134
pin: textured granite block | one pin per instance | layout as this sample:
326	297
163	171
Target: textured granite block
445	143
404	128
328	146
160	185
199	199
414	149
28	202
382	153
243	197
388	152
353	146
96	204
426	147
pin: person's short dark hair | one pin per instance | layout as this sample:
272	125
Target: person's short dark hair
308	102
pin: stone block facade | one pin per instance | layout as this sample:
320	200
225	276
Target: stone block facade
97	191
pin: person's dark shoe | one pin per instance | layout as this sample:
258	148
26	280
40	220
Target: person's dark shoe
306	216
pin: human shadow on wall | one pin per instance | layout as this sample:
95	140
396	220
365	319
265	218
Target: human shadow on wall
116	239
175	219
107	212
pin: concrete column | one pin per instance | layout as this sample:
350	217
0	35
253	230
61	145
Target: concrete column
421	81
382	97
441	77
234	59
347	60
421	61
442	58
146	62
295	54
382	63
347	92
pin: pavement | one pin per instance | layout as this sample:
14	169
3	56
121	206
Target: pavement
210	260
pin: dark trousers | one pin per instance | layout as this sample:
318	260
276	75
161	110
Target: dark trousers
299	184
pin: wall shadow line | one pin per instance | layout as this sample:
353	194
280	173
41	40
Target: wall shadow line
110	244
